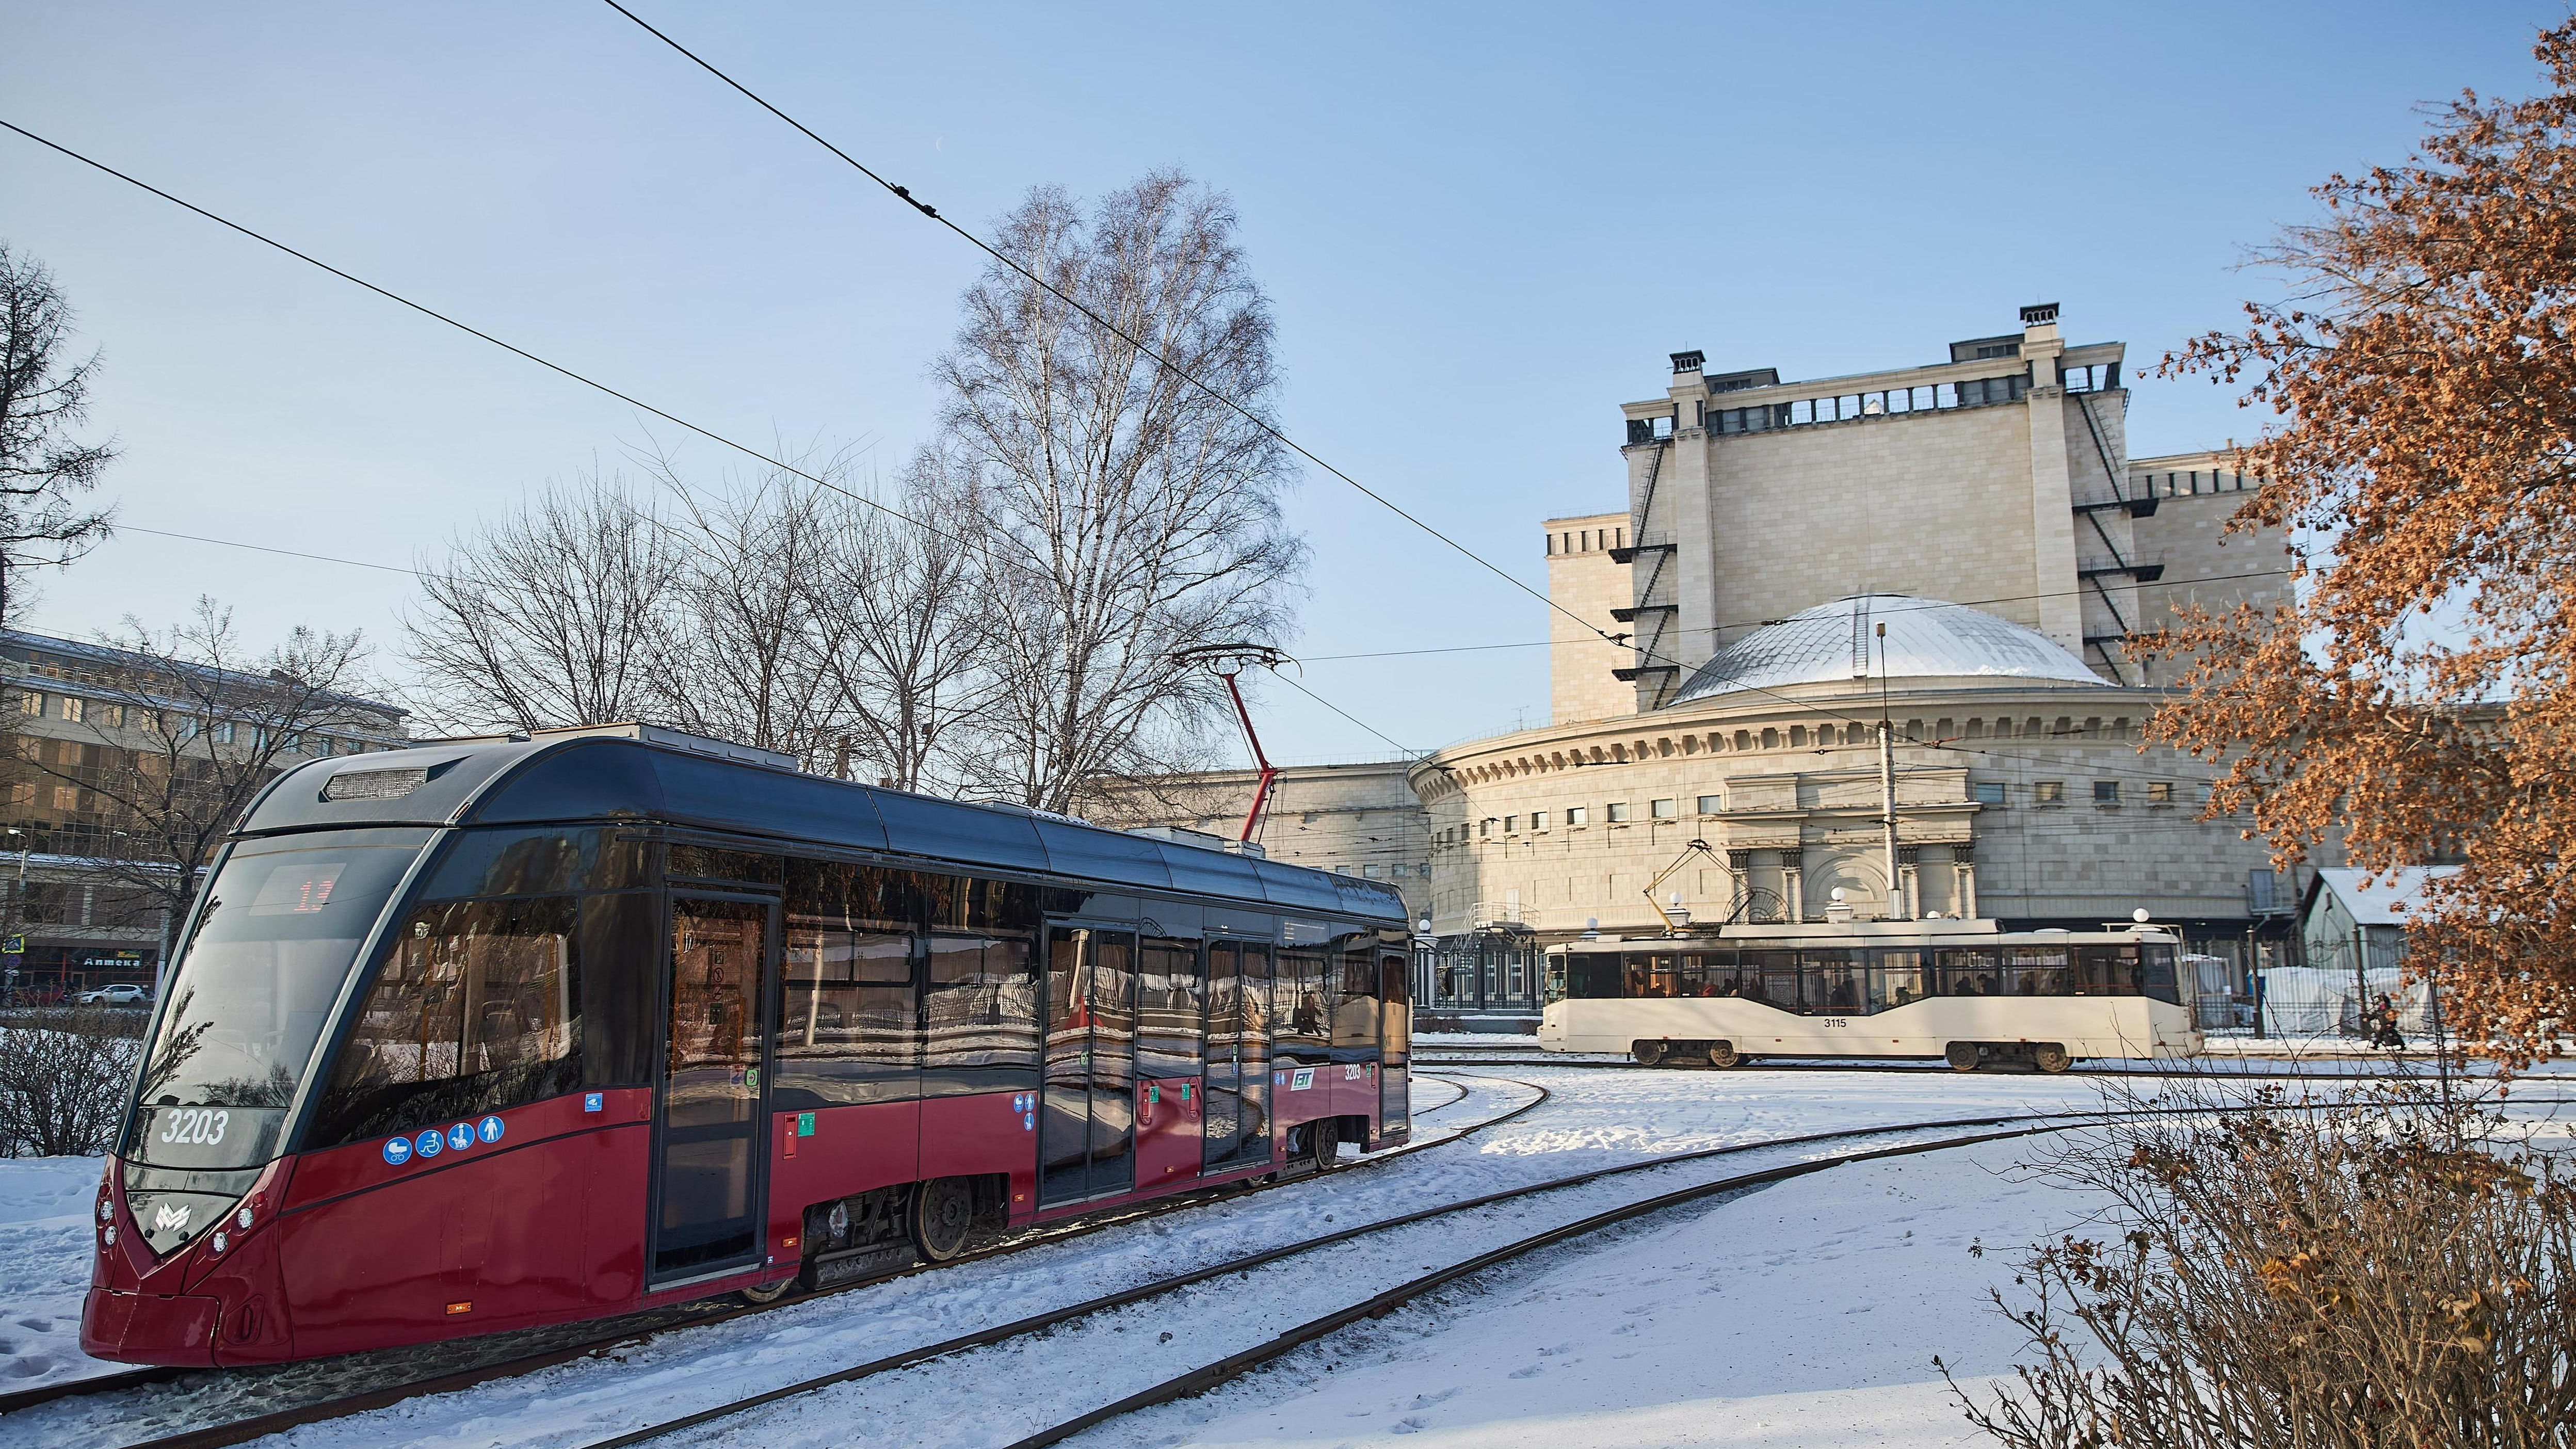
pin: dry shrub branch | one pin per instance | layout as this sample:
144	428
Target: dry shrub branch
2378	1270
63	1075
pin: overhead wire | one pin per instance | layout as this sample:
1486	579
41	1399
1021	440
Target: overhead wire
472	331
551	366
1216	394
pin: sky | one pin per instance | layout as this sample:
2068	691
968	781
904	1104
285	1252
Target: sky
1482	229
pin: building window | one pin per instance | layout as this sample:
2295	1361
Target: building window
73	706
1711	804
67	797
1484	829
1617	812
1341	870
2160	792
1577	816
1663	809
1988	792
31	702
2106	792
2049	792
1511	825
1538	821
1369	871
223	732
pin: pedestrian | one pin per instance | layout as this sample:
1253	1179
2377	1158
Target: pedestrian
2384	1019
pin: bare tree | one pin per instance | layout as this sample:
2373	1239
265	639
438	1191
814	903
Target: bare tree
911	676
44	391
554	615
744	660
193	724
1131	512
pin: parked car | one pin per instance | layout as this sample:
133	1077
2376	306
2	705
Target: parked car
123	993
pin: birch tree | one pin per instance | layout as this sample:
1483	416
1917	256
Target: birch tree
1130	512
555	614
45	473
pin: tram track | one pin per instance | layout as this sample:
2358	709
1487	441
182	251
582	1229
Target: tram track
631	1333
1208	1376
1930	1069
1205	1377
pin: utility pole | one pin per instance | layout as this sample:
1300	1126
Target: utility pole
1898	908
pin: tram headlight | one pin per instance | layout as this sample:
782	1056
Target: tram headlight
222	1240
107	1239
106	1209
242	1219
837	1222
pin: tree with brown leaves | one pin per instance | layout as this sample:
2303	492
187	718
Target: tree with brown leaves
2411	702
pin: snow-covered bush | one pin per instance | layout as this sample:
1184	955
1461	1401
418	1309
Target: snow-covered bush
63	1077
2393	1269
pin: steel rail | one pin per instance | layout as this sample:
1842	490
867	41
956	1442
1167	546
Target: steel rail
320	1410
1055	1318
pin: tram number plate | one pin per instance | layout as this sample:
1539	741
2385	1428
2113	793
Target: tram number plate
1836	1021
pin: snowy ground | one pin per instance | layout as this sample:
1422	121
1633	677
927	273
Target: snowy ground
44	1268
1803	1313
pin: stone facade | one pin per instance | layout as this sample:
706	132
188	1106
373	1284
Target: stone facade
1999	479
1583	575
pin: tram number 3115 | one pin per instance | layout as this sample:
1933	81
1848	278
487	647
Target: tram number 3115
1835	1021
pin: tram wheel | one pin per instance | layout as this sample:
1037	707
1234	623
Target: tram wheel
1324	1141
1962	1056
1647	1053
943	1213
1722	1055
2051	1058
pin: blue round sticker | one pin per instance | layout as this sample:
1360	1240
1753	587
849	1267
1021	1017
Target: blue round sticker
429	1142
1029	1123
397	1150
489	1129
461	1136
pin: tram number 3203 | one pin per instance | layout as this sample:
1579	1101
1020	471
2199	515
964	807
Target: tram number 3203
194	1124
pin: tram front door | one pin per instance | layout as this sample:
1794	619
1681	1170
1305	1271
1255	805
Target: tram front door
707	1186
1087	1094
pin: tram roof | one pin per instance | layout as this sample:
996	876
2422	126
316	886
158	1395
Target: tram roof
593	777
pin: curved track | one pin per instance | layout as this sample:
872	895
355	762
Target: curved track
641	1328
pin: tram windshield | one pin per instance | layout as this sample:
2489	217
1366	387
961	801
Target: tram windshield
279	933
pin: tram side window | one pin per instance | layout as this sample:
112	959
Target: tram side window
1168	1006
1355	1004
2160	975
1301	1015
2038	971
2109	971
476	1007
1592	978
849	1030
1651	977
1898	979
1969	973
981	1014
1831	986
536	862
621	951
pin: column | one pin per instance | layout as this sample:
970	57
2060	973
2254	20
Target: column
1963	866
1793	865
1909	891
1739	880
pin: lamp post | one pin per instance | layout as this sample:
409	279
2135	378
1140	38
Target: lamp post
17	925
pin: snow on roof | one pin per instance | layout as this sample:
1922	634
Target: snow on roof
2377	904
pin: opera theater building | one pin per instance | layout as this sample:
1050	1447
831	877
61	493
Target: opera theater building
1923	579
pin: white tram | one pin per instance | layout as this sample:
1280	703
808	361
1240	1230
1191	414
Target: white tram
1927	989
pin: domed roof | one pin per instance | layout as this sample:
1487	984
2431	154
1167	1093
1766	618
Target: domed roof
1838	643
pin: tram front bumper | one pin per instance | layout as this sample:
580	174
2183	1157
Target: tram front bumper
150	1328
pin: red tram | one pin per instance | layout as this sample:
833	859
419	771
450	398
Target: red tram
488	1034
